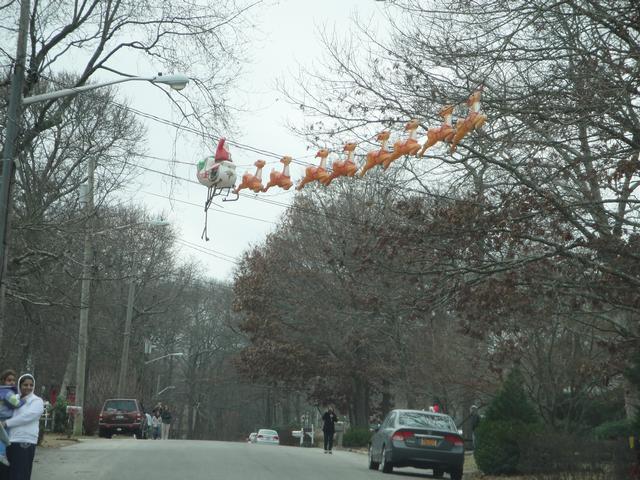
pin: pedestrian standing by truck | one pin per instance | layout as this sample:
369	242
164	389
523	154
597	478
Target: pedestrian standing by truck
329	420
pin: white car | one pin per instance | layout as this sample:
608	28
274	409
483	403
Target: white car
267	437
252	437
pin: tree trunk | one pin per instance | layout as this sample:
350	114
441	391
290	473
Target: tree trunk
387	399
68	374
631	398
268	410
360	403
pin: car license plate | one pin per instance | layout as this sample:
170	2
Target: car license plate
429	442
119	417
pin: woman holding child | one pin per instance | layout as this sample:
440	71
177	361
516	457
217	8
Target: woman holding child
23	428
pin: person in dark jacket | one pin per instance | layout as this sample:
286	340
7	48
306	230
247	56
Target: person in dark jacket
474	420
329	420
166	422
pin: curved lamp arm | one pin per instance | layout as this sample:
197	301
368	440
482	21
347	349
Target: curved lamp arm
177	82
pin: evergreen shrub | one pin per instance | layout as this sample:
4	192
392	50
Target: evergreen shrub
356	437
509	418
60	415
613	430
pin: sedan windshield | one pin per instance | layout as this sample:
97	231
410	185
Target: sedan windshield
426	420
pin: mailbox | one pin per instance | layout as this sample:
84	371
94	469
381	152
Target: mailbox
73	410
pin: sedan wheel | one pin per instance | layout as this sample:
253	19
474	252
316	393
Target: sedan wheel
387	467
437	473
373	465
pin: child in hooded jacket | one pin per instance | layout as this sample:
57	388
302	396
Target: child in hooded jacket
9	401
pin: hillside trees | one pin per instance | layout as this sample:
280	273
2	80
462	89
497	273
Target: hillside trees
555	172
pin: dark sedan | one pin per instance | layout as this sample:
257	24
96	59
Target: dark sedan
419	439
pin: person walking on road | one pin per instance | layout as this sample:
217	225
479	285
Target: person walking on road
474	420
166	422
329	420
24	427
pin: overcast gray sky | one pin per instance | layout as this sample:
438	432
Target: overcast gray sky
286	35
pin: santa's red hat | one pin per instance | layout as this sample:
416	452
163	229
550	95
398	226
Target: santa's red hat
222	153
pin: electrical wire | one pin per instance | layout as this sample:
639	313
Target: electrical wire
207	251
216	209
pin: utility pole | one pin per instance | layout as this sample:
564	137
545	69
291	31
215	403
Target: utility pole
124	361
11	136
87	270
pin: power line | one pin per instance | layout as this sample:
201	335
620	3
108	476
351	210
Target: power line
206	251
210	250
217	210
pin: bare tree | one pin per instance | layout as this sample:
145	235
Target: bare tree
557	165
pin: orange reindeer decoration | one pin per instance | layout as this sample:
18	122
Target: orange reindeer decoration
252	181
473	121
319	173
443	133
410	146
346	167
378	156
280	179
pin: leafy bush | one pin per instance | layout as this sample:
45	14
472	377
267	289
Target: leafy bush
602	407
613	429
574	456
509	418
498	445
60	415
356	437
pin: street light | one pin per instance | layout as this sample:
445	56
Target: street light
170	387
178	354
150	223
176	82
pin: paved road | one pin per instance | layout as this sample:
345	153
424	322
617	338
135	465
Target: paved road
124	459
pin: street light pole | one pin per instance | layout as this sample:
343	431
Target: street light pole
11	136
124	361
85	293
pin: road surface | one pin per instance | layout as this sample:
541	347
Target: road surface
125	459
